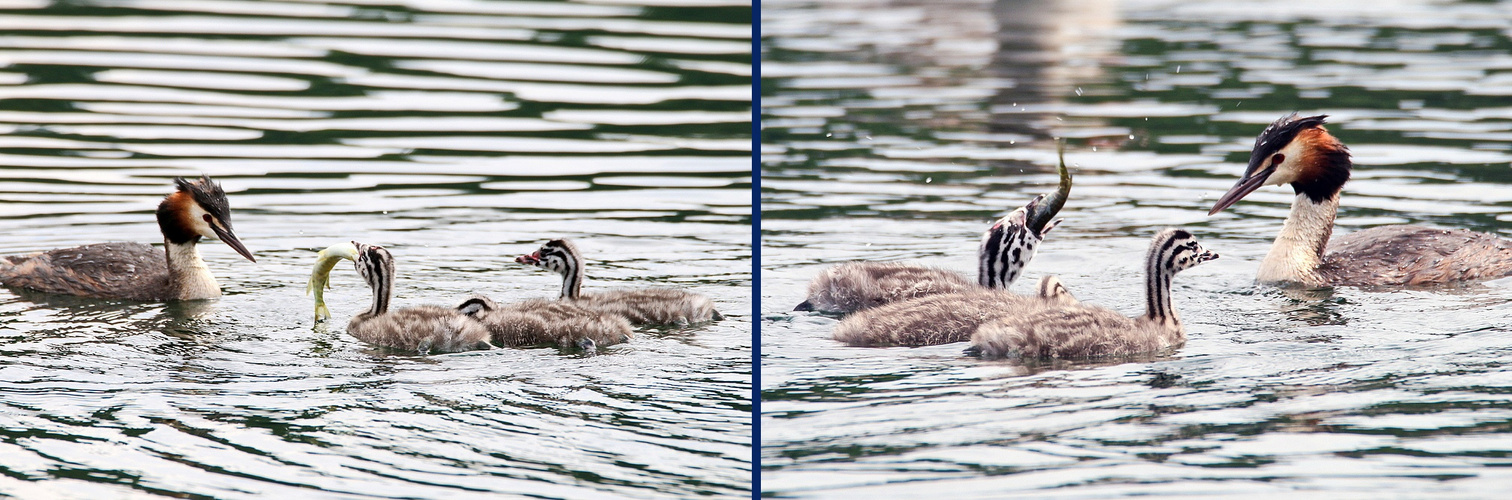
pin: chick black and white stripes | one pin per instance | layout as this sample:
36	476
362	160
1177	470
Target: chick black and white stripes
1081	331
421	328
561	256
641	306
1171	251
1006	248
376	266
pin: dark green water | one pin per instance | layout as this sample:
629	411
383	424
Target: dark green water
458	134
898	130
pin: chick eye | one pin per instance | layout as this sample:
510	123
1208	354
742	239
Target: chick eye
1277	159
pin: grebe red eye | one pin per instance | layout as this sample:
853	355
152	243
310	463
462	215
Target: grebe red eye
206	217
1276	160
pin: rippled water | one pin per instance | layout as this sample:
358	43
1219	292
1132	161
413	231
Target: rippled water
897	130
457	133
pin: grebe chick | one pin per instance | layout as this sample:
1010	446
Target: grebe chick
1050	287
540	322
1082	331
420	328
944	318
1300	152
931	320
642	306
1005	249
134	271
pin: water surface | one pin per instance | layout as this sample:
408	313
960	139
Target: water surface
898	130
458	134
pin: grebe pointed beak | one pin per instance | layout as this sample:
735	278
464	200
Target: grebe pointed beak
230	239
1242	188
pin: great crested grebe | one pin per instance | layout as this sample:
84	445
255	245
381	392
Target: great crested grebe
134	271
539	321
1080	331
1005	249
949	318
642	306
1300	152
420	328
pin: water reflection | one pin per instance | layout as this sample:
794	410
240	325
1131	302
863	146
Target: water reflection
898	130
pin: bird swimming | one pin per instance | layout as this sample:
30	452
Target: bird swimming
1083	331
541	322
478	319
1005	249
955	317
420	328
1300	152
642	306
135	271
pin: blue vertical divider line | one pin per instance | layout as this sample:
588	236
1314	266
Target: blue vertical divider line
755	249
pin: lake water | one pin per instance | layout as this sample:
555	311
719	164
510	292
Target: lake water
459	134
898	130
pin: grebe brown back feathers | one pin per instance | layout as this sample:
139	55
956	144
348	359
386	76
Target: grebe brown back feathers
134	271
1300	152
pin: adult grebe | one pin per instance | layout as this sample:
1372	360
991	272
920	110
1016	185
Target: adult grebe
135	271
1300	152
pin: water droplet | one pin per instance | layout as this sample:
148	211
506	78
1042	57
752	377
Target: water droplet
1178	68
1131	137
927	180
1078	91
1094	149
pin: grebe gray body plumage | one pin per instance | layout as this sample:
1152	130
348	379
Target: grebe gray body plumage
1082	331
134	271
1300	152
642	306
1004	250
